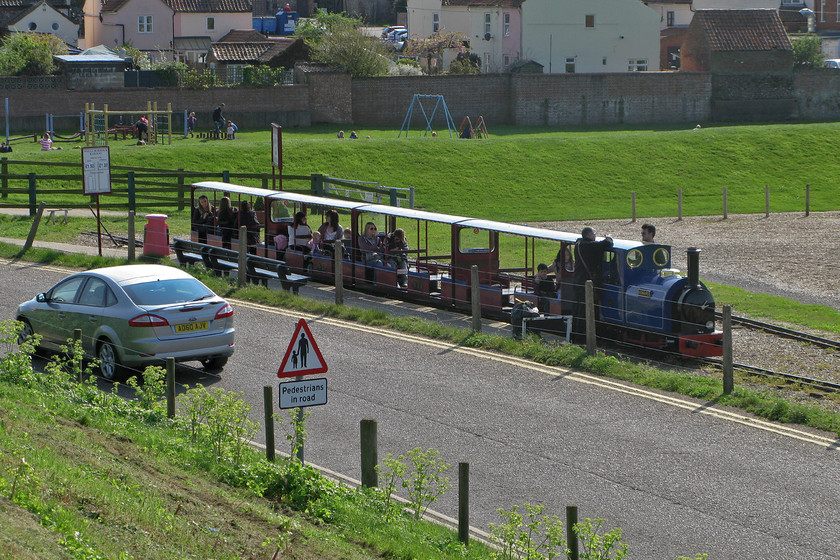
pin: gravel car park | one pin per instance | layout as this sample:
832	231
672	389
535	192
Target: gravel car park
132	316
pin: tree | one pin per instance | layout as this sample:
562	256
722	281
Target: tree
807	51
30	54
432	48
338	40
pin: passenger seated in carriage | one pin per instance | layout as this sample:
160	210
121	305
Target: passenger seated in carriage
396	255
227	222
543	287
300	233
203	218
331	231
371	246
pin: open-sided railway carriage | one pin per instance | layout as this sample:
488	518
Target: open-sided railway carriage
641	299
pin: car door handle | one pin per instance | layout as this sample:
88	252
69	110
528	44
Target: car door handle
93	318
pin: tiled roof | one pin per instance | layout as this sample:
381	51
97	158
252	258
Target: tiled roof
210	6
248	52
743	30
243	36
192	6
494	3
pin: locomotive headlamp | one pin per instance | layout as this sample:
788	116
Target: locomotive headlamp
710	325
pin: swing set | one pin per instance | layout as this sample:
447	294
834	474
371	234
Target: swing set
467	130
100	124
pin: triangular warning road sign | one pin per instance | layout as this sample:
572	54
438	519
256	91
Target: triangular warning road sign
303	357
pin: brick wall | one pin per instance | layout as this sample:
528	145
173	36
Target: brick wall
385	101
518	99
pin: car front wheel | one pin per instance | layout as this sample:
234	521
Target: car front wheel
109	361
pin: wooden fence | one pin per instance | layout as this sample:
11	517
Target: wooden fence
134	188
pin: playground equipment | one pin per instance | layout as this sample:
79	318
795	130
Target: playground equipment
98	124
50	126
439	103
467	130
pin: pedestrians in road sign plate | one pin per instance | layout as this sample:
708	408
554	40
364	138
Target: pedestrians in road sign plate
310	392
303	357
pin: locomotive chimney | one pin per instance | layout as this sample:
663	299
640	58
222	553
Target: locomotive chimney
693	258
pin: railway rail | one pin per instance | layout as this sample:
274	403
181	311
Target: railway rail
777	330
827	386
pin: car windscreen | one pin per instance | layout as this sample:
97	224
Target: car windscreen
167	292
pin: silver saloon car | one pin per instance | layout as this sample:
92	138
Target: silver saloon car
132	316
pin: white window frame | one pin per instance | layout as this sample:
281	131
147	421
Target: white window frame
571	62
486	62
838	11
145	24
822	11
435	23
211	23
233	73
670	18
488	22
507	24
637	65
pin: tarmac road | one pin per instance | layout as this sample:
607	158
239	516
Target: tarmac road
678	476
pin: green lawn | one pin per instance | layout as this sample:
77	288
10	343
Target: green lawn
524	174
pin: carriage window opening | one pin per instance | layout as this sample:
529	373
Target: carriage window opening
634	258
472	240
279	211
569	259
661	257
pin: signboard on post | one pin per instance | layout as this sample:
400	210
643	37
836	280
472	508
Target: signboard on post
303	357
309	392
96	162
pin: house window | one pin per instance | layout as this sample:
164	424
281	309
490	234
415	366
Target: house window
486	62
507	59
233	73
211	24
486	23
33	26
673	58
435	23
669	19
637	65
570	65
604	61
838	10
822	11
145	24
590	21
507	25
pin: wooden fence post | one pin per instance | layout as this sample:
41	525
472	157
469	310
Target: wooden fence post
728	378
132	192
170	387
132	242
338	264
725	204
370	453
590	318
4	173
476	299
33	184
242	271
181	194
807	200
268	406
766	201
679	204
464	503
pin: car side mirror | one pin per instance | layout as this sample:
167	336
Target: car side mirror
41	298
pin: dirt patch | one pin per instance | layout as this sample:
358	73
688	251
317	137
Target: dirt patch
787	254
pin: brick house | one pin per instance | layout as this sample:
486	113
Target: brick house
736	42
244	47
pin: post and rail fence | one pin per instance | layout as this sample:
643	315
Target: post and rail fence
157	189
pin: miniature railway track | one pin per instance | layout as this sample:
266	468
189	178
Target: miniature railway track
753	370
784	332
116	239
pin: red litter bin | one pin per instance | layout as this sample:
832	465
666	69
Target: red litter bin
156	236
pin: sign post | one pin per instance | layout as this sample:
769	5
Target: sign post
96	162
276	154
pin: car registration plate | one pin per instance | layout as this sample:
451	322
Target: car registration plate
192	327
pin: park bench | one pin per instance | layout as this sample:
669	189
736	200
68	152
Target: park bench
226	261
